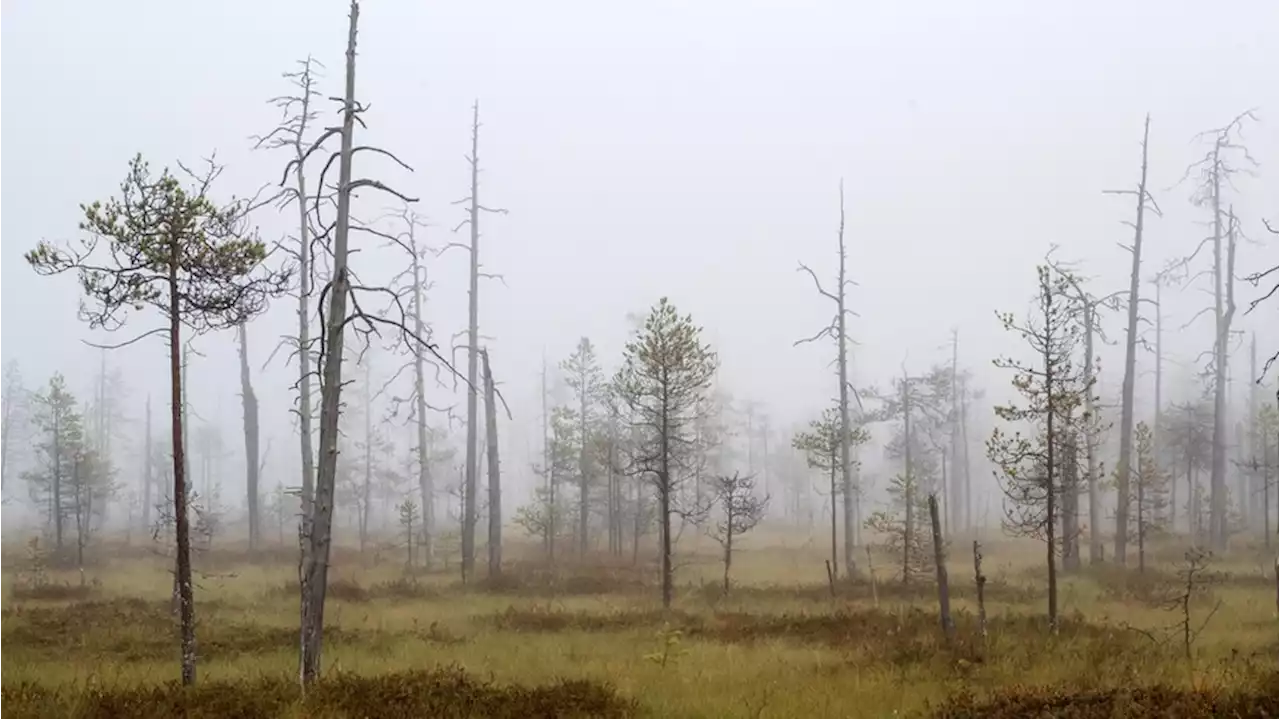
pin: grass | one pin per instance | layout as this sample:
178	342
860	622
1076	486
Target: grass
589	640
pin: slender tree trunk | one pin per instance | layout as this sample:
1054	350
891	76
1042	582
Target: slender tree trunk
182	530
1224	311
584	496
1091	444
425	481
1130	361
981	582
473	340
940	564
250	401
495	473
909	493
846	425
664	497
1051	466
305	413
835	557
1156	439
964	444
317	543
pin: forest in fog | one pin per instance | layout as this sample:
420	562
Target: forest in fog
458	302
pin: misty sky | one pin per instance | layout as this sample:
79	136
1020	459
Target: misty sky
687	149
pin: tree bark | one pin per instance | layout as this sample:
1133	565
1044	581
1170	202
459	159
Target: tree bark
940	564
1130	361
846	425
182	576
469	516
425	481
316	545
250	401
495	474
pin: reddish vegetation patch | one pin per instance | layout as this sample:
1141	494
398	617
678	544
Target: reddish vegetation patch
442	694
1165	702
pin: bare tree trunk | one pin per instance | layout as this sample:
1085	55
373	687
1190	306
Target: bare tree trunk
846	425
317	542
955	503
305	413
1071	508
250	401
940	563
1159	407
1091	444
584	495
964	444
425	481
909	519
1130	362
834	555
182	576
1224	312
495	474
473	339
1248	485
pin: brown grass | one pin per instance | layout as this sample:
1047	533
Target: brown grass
445	694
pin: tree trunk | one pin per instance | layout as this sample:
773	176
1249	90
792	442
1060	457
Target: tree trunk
584	497
1130	360
1224	311
835	557
304	322
664	498
250	401
981	582
964	444
473	339
940	564
1091	444
316	545
425	481
909	520
846	426
182	530
495	474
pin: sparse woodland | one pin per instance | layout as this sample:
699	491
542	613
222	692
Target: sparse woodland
1082	526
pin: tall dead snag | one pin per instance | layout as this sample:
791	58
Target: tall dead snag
251	459
1053	392
741	510
173	249
666	370
411	286
1144	202
940	563
293	134
474	208
1212	172
837	331
495	472
336	295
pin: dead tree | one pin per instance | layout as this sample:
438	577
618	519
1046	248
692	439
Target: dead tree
940	563
1144	202
1226	158
1262	278
340	298
411	286
474	208
495	473
172	249
293	133
837	331
251	438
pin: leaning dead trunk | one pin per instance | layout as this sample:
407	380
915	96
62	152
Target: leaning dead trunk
495	473
314	573
940	562
250	401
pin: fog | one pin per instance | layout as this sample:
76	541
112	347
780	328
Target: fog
686	150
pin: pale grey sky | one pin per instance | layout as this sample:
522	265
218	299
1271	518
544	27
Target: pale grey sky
664	148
